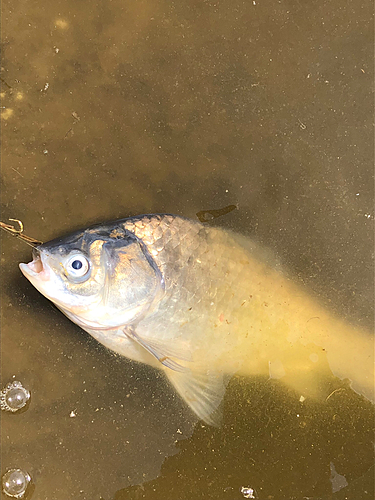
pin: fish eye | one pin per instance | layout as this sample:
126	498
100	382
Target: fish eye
77	266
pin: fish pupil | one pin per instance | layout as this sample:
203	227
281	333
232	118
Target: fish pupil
76	264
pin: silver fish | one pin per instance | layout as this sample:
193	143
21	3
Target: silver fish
199	303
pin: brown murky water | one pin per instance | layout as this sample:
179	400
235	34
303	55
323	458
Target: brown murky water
117	108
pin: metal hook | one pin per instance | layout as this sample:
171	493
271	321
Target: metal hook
18	233
20	230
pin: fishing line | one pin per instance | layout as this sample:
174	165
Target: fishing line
18	233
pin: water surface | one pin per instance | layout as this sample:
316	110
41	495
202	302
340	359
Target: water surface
118	108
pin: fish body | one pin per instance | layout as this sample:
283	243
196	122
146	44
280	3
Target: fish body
197	302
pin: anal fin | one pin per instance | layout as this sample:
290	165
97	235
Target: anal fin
202	391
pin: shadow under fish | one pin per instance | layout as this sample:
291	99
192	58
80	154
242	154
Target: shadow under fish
273	446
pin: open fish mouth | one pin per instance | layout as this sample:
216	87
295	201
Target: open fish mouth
35	268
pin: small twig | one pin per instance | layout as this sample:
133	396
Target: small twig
333	392
76	120
19	173
70	130
5	83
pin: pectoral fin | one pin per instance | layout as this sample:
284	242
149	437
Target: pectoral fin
202	391
161	352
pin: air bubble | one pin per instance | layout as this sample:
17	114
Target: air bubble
248	492
15	483
14	397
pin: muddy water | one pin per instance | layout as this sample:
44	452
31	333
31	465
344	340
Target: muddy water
118	108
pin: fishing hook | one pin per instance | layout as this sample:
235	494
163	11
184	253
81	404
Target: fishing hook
18	233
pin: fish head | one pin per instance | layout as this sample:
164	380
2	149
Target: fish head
101	278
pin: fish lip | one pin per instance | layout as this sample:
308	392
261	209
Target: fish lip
37	268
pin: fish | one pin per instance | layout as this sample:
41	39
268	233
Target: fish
200	304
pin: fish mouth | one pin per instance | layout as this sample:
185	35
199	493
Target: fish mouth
36	269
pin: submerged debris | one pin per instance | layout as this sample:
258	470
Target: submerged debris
207	215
